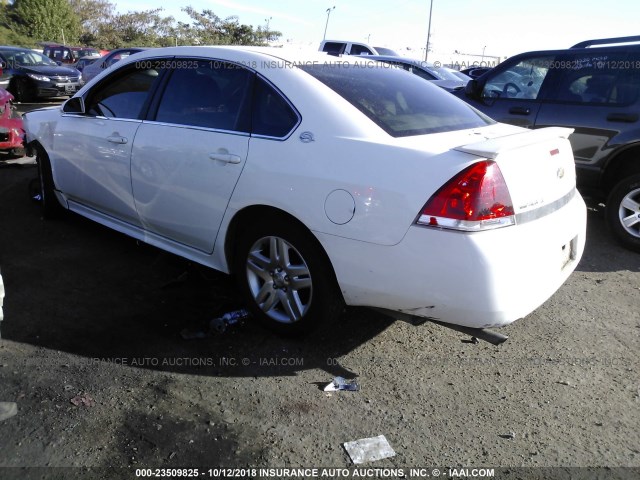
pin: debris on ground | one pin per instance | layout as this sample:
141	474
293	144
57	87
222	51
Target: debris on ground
84	399
8	410
217	325
340	383
369	449
510	435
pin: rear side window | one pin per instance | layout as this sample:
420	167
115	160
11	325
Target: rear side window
272	115
122	96
597	78
206	93
400	103
357	49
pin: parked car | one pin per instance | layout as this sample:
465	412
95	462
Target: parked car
438	75
32	75
318	181
594	88
462	76
475	72
84	61
95	68
343	47
66	54
11	128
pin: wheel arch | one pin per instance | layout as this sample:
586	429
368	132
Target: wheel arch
244	216
624	163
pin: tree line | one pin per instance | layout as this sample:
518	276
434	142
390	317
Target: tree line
96	23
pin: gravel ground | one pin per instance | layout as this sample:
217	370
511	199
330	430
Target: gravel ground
92	354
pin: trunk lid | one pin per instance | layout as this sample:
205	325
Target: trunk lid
537	165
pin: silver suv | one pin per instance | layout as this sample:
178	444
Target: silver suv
593	87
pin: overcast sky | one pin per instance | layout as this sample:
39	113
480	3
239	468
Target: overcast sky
504	27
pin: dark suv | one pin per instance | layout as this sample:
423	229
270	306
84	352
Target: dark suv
593	87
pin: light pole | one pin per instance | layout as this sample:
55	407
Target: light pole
483	49
327	24
426	53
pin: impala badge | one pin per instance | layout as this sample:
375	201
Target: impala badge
560	172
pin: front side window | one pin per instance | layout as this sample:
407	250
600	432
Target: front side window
207	93
123	94
522	80
400	104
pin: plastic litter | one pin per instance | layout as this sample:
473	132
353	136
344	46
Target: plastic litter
8	410
369	449
340	383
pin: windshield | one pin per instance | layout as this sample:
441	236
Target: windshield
399	102
27	58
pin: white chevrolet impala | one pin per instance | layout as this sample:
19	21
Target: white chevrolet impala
318	182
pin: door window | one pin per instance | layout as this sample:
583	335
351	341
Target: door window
122	95
357	49
597	78
522	80
207	93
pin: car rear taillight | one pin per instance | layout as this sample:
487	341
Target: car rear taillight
475	199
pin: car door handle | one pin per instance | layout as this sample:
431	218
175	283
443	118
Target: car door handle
225	157
117	139
623	117
520	110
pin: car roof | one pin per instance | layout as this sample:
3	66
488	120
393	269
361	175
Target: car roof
13	47
287	55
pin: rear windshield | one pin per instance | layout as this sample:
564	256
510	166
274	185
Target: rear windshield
400	103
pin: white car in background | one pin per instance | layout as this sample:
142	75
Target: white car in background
318	182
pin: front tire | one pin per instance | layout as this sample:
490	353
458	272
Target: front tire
285	277
23	92
51	208
623	212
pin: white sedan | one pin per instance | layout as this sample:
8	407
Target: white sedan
318	182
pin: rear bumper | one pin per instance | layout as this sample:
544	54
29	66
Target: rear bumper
478	280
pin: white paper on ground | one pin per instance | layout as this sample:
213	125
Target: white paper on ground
369	449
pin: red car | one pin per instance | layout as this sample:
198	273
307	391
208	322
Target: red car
11	129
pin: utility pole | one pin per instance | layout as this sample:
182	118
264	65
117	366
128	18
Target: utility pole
327	24
426	53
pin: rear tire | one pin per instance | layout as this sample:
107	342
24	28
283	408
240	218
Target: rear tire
51	208
285	278
623	212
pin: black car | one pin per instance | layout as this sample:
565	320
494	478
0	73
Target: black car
594	88
30	75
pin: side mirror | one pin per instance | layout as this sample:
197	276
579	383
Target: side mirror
74	105
472	90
